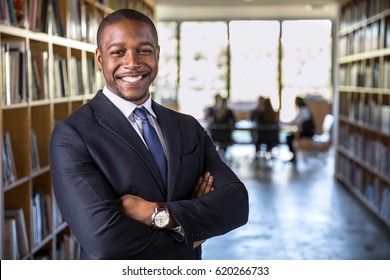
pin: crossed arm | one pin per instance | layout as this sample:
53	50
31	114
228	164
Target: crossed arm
141	210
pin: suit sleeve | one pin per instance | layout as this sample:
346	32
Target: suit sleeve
218	212
90	206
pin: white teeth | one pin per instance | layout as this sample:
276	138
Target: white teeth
132	79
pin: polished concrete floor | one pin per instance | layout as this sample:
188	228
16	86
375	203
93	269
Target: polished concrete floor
298	212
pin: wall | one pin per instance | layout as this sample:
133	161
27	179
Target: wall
177	12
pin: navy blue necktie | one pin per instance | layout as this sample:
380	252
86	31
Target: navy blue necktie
152	141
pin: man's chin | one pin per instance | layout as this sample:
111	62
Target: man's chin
134	96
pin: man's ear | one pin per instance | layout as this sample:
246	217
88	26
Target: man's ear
158	53
98	56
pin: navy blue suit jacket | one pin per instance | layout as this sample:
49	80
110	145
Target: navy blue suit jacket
96	157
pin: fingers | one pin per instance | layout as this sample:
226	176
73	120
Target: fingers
130	203
123	197
197	243
196	187
137	208
203	185
209	185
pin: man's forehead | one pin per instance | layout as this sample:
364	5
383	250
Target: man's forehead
130	27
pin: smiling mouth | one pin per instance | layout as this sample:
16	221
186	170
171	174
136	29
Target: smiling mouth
132	79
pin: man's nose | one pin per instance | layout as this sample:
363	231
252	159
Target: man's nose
131	59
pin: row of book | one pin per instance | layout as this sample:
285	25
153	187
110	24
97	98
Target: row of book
139	5
363	40
75	84
365	74
16	242
385	203
386	72
76	22
44	219
16	237
15	74
374	152
376	192
61	81
377	195
13	12
37	15
41	216
40	75
368	112
387	33
67	248
35	160
89	29
356	11
8	161
29	14
82	25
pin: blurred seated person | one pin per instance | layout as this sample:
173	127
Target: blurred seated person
305	124
221	122
267	122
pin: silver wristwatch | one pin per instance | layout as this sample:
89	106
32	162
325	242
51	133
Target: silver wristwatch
160	216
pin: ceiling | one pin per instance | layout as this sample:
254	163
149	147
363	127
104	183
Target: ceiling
244	9
240	2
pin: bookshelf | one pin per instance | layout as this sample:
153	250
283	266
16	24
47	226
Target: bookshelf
48	70
363	151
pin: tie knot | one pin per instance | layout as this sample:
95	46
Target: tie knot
142	113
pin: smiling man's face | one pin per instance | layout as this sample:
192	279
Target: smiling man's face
128	58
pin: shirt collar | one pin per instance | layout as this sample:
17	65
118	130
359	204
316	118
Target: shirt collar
127	107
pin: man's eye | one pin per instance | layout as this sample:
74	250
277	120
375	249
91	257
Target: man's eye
145	51
117	52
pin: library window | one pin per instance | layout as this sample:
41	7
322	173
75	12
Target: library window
168	66
306	62
254	60
203	64
242	60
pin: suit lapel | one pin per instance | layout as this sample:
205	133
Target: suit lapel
113	120
169	126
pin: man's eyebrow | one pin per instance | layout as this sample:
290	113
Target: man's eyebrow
120	44
114	45
147	43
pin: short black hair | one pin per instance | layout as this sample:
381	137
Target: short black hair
124	14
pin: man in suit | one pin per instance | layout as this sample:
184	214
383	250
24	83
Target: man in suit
108	186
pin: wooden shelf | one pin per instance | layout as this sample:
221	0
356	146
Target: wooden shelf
363	152
46	73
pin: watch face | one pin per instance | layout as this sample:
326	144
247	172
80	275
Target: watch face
161	219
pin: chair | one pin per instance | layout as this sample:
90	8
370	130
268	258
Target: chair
221	134
320	140
319	143
265	138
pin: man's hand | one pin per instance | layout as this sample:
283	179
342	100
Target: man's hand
137	208
141	210
203	186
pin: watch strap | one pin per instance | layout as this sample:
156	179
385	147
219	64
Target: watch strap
161	206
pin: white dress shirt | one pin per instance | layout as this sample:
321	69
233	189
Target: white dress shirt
127	108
